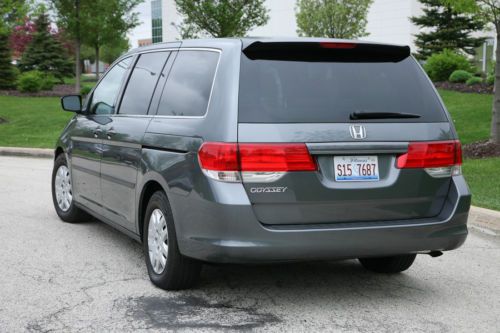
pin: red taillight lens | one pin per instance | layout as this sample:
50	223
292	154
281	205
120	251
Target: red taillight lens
431	155
330	45
275	157
219	156
257	157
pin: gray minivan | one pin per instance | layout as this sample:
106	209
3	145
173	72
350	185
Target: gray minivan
265	150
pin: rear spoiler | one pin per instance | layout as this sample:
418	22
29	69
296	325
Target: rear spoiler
326	52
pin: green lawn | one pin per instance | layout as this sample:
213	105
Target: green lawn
484	182
471	114
37	122
32	121
84	82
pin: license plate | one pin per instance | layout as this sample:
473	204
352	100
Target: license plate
356	168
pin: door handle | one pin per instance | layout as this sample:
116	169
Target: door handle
97	132
110	133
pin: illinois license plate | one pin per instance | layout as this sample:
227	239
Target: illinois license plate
356	168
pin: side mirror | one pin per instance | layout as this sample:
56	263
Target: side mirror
72	103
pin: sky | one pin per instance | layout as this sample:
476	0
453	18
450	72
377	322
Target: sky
143	30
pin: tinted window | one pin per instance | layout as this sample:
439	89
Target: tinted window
189	84
276	91
142	83
104	95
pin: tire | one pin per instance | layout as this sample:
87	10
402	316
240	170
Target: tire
390	265
170	270
68	213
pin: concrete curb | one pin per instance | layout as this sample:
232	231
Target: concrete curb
485	218
26	152
479	217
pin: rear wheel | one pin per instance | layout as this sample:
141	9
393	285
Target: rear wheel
167	267
394	264
62	193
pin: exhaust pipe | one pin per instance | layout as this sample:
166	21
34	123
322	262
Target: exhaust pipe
435	254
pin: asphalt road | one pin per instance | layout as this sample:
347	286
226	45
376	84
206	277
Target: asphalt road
87	277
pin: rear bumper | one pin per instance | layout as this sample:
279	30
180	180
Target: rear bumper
225	230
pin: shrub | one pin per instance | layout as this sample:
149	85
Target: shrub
460	76
439	66
490	80
48	81
31	81
85	90
474	80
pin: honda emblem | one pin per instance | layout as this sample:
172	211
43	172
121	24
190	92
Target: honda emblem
358	132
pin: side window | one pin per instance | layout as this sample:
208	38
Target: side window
142	83
189	84
104	96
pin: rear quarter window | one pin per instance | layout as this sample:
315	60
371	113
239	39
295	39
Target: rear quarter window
189	84
284	91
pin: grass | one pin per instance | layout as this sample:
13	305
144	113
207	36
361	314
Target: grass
32	121
484	182
86	81
471	114
38	121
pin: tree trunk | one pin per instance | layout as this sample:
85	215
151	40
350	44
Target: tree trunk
78	68
495	118
97	63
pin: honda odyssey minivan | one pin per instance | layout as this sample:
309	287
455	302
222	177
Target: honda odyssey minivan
265	150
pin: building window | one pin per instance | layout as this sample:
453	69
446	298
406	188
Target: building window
156	21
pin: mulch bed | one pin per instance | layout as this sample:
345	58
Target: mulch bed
59	90
481	88
481	149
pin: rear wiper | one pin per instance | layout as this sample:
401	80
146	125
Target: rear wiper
382	115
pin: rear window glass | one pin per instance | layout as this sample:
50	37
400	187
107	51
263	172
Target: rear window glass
284	91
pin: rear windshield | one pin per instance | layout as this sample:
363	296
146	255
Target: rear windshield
284	91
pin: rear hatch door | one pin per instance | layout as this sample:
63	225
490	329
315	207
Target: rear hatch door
356	108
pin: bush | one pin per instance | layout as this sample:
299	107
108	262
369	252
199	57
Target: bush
31	81
460	76
85	90
474	80
439	66
48	81
490	80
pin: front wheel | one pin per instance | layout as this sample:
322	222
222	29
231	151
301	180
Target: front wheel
167	267
394	264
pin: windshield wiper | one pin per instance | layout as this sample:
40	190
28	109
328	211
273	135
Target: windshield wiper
382	115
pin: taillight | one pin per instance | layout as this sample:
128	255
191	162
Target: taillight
258	162
275	157
218	156
438	158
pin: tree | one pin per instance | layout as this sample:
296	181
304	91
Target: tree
7	74
68	13
490	11
45	53
21	36
445	28
106	22
11	13
96	22
332	18
220	18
